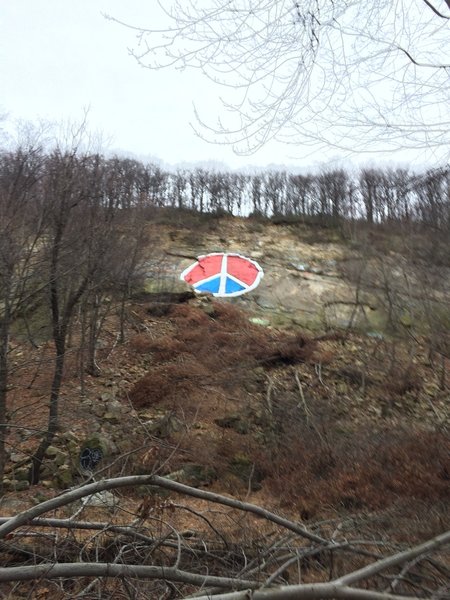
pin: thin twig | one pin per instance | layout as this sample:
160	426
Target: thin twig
302	397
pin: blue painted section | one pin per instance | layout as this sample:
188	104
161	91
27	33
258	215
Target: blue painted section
209	286
232	286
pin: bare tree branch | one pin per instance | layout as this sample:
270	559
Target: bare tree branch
319	73
124	530
315	591
335	589
435	10
396	559
53	571
119	482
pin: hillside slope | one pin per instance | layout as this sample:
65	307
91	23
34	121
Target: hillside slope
322	394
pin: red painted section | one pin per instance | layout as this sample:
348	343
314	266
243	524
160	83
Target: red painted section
242	269
207	267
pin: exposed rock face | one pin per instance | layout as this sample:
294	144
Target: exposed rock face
302	284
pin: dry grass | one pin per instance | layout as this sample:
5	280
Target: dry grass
210	350
307	462
363	471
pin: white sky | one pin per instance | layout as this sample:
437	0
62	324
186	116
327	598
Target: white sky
59	57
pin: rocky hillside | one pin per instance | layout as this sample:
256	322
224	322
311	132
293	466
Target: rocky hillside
355	312
316	277
322	393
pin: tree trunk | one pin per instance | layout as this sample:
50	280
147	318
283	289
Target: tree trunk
5	323
52	424
93	332
4	327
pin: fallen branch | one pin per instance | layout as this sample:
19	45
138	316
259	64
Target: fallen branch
314	591
78	569
396	559
155	480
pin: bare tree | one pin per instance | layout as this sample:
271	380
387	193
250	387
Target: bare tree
20	229
274	192
299	191
78	235
369	181
126	266
198	181
332	188
355	75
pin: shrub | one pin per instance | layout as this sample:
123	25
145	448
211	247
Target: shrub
141	343
166	383
218	348
361	471
165	349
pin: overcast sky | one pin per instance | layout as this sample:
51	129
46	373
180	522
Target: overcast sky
58	58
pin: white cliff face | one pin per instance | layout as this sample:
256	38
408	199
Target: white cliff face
302	285
314	278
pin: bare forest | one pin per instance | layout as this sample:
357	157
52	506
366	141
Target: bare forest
158	444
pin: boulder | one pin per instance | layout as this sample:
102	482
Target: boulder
63	478
163	425
194	475
21	486
247	471
103	499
